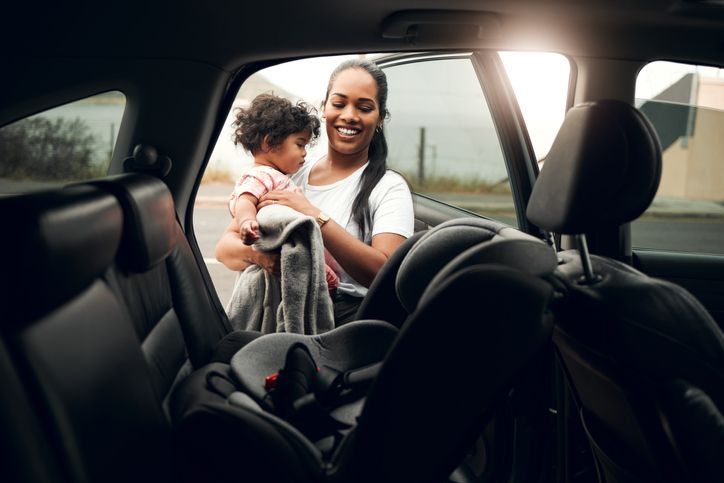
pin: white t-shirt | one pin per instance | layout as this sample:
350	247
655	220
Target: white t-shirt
390	205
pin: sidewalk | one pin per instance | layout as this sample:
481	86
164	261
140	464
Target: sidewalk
214	194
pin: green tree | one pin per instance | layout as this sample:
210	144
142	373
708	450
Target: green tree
45	149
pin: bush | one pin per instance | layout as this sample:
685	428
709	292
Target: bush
46	149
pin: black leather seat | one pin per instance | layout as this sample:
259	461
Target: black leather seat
72	343
478	320
158	280
644	358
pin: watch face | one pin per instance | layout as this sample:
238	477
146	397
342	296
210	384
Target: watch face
322	219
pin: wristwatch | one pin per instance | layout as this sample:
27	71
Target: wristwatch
322	218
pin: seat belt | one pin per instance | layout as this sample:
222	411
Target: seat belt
304	394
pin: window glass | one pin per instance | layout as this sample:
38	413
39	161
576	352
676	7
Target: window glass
72	142
540	83
685	104
442	138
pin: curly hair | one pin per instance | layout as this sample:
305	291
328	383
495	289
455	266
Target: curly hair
272	118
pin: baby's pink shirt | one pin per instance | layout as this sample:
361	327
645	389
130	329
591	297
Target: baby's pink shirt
258	181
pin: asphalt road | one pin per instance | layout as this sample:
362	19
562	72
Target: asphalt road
680	233
209	224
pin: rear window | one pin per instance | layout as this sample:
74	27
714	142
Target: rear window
72	142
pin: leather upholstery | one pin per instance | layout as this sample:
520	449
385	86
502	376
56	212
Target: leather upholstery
603	168
149	231
623	341
69	239
159	281
628	342
697	426
75	351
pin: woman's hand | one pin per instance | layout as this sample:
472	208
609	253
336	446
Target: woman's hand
293	199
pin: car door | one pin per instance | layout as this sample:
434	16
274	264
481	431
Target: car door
681	236
457	135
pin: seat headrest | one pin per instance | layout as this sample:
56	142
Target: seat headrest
437	247
604	168
150	227
528	255
56	243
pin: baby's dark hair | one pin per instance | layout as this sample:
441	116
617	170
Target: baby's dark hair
274	118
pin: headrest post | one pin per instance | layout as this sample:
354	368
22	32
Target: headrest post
588	276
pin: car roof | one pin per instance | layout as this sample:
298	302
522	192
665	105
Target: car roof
229	34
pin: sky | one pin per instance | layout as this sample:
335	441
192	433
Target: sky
306	78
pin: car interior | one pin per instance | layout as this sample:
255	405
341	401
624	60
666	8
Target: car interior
556	317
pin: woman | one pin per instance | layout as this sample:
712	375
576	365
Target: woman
364	210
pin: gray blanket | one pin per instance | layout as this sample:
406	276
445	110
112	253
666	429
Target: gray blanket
299	301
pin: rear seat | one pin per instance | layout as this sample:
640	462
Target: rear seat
157	277
104	310
72	345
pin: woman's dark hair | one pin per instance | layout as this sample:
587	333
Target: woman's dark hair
274	118
377	166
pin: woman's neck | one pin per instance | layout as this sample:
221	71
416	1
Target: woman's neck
336	166
346	162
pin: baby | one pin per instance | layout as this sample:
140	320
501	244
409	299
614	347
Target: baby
276	132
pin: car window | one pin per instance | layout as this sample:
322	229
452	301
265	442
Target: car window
72	142
442	137
685	104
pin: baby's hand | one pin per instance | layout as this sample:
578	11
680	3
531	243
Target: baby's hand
249	230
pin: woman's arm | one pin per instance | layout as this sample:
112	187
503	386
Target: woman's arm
232	252
359	260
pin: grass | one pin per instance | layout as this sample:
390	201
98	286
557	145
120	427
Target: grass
451	184
217	175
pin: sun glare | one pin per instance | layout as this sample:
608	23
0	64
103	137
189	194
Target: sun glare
540	83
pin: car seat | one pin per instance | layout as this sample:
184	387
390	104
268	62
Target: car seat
644	359
470	334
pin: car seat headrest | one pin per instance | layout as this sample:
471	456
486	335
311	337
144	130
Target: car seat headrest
150	227
526	254
604	168
436	248
55	245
